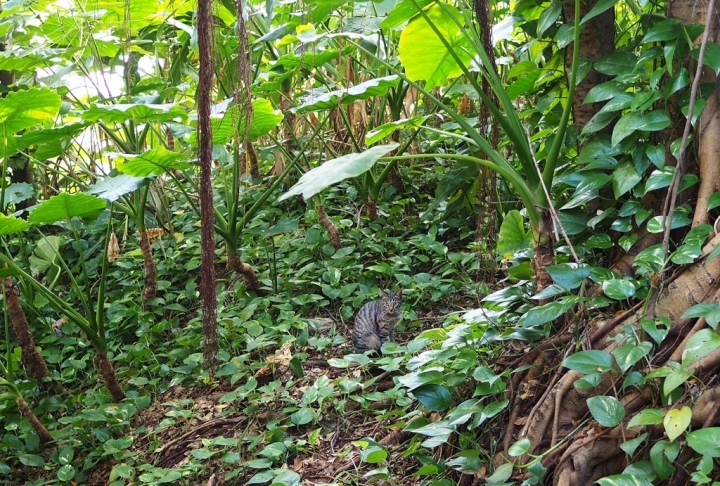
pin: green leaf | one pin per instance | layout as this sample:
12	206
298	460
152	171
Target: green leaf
303	416
664	30
676	422
607	411
618	289
423	53
18	192
700	344
649	416
676	378
545	313
548	17
286	477
656	333
433	397
387	129
705	441
336	170
634	121
656	154
112	188
65	206
617	62
629	354
712	56
145	113
373	454
709	310
600	7
714	200
231	120
625	177
151	162
599	121
419	378
520	447
402	12
20	110
659	179
657	224
590	361
31	460
662	456
629	446
604	91
624	480
11	224
332	99
569	275
513	237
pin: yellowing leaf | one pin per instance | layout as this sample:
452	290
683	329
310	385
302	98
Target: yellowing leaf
676	421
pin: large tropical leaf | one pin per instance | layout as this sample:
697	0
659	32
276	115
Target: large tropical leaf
112	188
151	162
65	206
424	54
336	170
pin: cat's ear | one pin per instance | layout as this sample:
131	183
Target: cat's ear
398	294
387	293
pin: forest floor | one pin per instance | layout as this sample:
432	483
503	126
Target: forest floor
331	456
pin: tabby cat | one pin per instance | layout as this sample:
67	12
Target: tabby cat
376	320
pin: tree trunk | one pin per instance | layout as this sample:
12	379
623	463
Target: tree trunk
31	358
707	128
544	252
240	268
371	209
252	166
150	290
26	411
596	40
330	227
107	371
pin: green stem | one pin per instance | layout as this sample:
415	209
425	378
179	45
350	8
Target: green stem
552	158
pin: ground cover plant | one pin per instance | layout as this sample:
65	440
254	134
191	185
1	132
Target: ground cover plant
197	197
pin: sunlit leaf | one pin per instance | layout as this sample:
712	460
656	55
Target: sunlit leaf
336	170
65	206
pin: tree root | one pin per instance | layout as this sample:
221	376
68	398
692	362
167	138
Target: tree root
594	451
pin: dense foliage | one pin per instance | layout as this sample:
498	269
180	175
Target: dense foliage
534	189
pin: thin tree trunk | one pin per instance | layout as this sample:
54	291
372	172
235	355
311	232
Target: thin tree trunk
150	290
330	227
596	40
207	214
108	373
26	411
240	268
31	358
252	160
544	252
707	128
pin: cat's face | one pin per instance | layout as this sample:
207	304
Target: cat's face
392	302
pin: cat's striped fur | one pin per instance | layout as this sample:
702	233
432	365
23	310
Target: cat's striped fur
376	321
